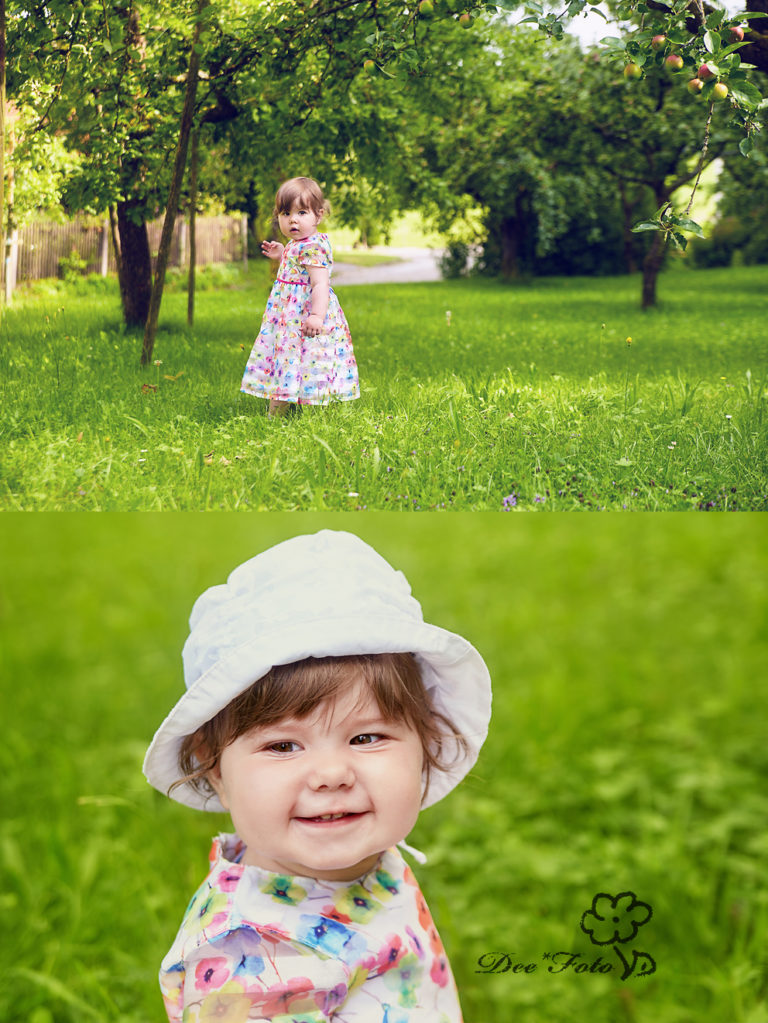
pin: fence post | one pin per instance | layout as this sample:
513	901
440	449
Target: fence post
104	249
244	238
11	264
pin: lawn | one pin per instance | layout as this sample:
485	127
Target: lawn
627	753
559	394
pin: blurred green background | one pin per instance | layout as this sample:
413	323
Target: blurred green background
627	752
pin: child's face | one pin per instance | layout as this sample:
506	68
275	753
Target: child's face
282	782
300	222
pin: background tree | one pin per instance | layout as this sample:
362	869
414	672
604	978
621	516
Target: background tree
287	82
535	174
3	74
649	140
107	82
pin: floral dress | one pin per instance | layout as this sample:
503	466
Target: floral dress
255	945
286	365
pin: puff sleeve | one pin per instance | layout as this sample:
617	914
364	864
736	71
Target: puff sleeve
316	251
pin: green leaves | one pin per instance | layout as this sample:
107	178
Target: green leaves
711	42
748	95
672	224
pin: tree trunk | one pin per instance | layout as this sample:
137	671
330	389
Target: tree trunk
654	257
135	265
2	137
510	248
150	330
192	230
115	240
651	267
253	212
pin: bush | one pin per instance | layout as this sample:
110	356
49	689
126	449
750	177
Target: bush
734	240
454	262
71	267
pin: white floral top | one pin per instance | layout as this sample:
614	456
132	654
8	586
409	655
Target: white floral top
255	945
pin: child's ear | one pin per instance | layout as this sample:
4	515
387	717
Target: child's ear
213	774
213	777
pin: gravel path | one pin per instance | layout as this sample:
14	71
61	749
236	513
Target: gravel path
415	265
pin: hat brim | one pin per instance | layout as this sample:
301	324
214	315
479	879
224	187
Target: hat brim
452	671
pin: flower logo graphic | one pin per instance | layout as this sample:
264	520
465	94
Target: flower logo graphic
615	918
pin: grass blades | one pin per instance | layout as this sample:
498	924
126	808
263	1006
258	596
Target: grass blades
626	753
557	395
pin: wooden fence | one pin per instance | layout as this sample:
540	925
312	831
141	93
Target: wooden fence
44	249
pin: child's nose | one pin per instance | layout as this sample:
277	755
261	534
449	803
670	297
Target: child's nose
330	771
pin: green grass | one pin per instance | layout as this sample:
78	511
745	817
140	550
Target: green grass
627	752
354	258
531	394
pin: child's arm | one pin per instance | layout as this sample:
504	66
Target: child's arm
272	250
319	281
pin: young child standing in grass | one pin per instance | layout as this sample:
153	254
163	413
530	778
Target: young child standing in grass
303	354
323	713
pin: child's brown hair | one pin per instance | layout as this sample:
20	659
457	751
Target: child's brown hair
306	192
296	690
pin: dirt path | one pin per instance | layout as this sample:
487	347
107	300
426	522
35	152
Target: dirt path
414	265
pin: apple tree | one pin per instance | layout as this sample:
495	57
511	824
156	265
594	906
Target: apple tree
110	77
106	78
649	143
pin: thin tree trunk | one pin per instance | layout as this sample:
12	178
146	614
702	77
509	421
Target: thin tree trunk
2	137
192	229
150	330
11	238
104	249
115	239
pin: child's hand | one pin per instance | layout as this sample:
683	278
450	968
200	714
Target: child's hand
272	250
313	326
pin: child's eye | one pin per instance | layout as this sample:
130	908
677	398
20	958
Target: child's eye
366	739
283	747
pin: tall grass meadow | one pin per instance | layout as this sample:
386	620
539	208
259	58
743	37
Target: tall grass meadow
627	753
558	394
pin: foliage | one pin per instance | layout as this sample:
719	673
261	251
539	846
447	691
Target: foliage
71	267
343	90
625	752
523	394
741	229
41	167
707	49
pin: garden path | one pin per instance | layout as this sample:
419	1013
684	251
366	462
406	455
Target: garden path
413	265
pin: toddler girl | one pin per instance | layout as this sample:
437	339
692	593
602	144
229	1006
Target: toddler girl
323	713
303	354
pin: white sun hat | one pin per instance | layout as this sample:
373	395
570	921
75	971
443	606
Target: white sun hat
325	594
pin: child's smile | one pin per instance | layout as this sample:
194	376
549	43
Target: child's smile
323	796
